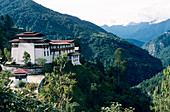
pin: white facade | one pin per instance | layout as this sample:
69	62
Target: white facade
41	48
18	79
75	60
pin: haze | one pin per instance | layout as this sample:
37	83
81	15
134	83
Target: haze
112	12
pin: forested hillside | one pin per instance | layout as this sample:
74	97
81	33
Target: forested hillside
95	43
160	47
141	31
7	31
136	42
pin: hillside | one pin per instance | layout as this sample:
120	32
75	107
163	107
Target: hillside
142	31
7	31
136	42
95	43
160	47
148	86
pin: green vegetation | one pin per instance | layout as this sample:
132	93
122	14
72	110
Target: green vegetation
26	57
148	86
4	78
95	43
1	54
161	98
116	107
58	86
41	61
119	63
7	31
7	55
20	84
136	42
95	89
160	47
157	88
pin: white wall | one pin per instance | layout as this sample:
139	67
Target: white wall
14	54
28	47
39	53
75	60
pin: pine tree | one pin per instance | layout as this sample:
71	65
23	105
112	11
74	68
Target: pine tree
161	98
119	63
8	22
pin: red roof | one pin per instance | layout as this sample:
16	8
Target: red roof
21	71
61	42
30	34
14	41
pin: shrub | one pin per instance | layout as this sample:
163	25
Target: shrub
20	84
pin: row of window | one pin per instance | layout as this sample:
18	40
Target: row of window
46	54
62	46
75	60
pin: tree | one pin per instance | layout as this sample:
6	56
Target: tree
1	55
8	22
161	98
119	63
58	85
26	57
41	61
4	78
7	54
116	107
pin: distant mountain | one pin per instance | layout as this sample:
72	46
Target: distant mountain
144	31
136	42
160	47
95	43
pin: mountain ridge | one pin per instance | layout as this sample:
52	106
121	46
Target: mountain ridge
159	47
143	31
94	44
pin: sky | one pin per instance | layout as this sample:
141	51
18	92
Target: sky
112	12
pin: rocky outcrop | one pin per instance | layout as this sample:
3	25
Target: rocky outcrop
159	47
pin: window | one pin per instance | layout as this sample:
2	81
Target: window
47	53
44	53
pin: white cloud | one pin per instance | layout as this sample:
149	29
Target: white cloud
112	11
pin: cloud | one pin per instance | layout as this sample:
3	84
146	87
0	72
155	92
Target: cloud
112	11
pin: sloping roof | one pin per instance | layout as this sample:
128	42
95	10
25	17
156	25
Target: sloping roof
14	41
21	71
73	54
61	42
30	34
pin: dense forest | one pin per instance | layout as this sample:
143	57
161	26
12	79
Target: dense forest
95	43
85	87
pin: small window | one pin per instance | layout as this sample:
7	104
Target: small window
44	53
47	53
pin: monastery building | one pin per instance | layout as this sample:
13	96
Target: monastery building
37	47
